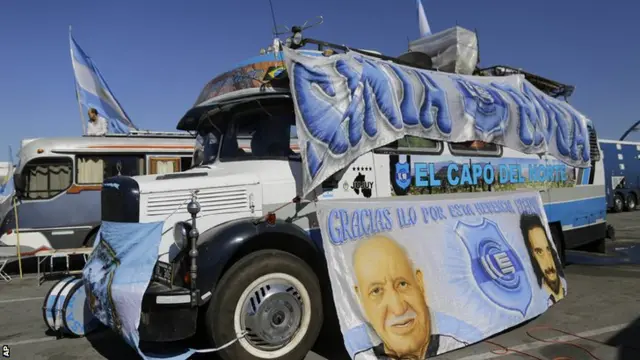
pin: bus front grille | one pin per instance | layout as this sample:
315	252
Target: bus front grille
212	201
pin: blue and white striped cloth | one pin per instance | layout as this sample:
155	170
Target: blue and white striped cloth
6	193
93	91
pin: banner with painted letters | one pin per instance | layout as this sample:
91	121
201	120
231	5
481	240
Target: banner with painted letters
349	104
421	277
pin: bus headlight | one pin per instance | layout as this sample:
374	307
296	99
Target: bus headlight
180	234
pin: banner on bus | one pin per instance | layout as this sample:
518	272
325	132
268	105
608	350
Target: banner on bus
117	275
349	104
414	279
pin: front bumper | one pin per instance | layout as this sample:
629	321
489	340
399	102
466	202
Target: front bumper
167	314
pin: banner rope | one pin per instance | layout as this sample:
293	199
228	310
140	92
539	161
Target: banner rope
240	336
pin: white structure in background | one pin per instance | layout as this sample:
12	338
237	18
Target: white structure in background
4	170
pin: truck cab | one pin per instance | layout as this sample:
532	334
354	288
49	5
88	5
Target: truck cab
254	272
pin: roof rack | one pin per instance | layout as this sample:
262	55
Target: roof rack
323	45
549	87
152	134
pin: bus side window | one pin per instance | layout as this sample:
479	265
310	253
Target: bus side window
93	169
475	148
47	177
411	145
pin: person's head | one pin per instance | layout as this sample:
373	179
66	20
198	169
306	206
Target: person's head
93	114
543	256
392	295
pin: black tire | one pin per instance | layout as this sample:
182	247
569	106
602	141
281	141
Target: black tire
631	203
618	203
220	314
559	244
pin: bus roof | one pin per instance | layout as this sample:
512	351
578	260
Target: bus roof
104	144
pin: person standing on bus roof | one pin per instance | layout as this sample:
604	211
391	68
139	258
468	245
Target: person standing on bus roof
97	124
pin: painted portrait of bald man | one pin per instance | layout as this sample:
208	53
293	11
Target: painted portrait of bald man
392	294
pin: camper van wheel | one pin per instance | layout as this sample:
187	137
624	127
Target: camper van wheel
631	202
274	296
618	203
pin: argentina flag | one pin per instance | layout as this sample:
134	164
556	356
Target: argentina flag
93	91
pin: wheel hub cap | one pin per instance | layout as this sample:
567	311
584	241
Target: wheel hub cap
272	315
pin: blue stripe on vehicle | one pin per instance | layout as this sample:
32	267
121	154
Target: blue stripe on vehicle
585	176
578	212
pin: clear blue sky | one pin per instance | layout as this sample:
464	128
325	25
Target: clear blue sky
157	55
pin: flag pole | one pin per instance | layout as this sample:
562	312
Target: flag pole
84	130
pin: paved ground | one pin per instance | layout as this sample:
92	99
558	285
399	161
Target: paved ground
602	304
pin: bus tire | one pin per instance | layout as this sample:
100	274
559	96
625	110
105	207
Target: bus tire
631	203
618	203
267	289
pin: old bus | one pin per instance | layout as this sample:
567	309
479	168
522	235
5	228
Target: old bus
246	266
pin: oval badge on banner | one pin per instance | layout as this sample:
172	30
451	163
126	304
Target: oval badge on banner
77	318
50	301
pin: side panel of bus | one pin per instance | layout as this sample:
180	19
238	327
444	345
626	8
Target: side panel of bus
574	198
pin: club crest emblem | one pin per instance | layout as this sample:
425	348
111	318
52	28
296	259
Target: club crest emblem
403	175
496	268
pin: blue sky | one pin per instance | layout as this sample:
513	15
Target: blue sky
157	55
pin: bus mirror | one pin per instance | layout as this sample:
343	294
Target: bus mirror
18	183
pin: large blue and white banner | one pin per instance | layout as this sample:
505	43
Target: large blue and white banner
349	104
117	275
93	91
414	279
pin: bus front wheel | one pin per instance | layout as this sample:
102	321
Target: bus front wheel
275	297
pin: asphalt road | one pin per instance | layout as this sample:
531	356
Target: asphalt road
603	304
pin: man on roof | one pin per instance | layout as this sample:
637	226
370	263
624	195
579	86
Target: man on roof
97	124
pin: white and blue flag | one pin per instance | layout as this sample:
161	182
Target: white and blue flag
93	91
7	190
425	29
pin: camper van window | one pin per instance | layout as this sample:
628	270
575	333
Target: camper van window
164	165
411	145
93	169
475	148
47	177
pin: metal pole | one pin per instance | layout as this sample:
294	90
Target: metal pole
629	130
193	208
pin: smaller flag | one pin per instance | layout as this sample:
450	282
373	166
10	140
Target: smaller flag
425	30
93	91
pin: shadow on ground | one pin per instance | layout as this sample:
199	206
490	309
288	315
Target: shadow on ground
627	341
